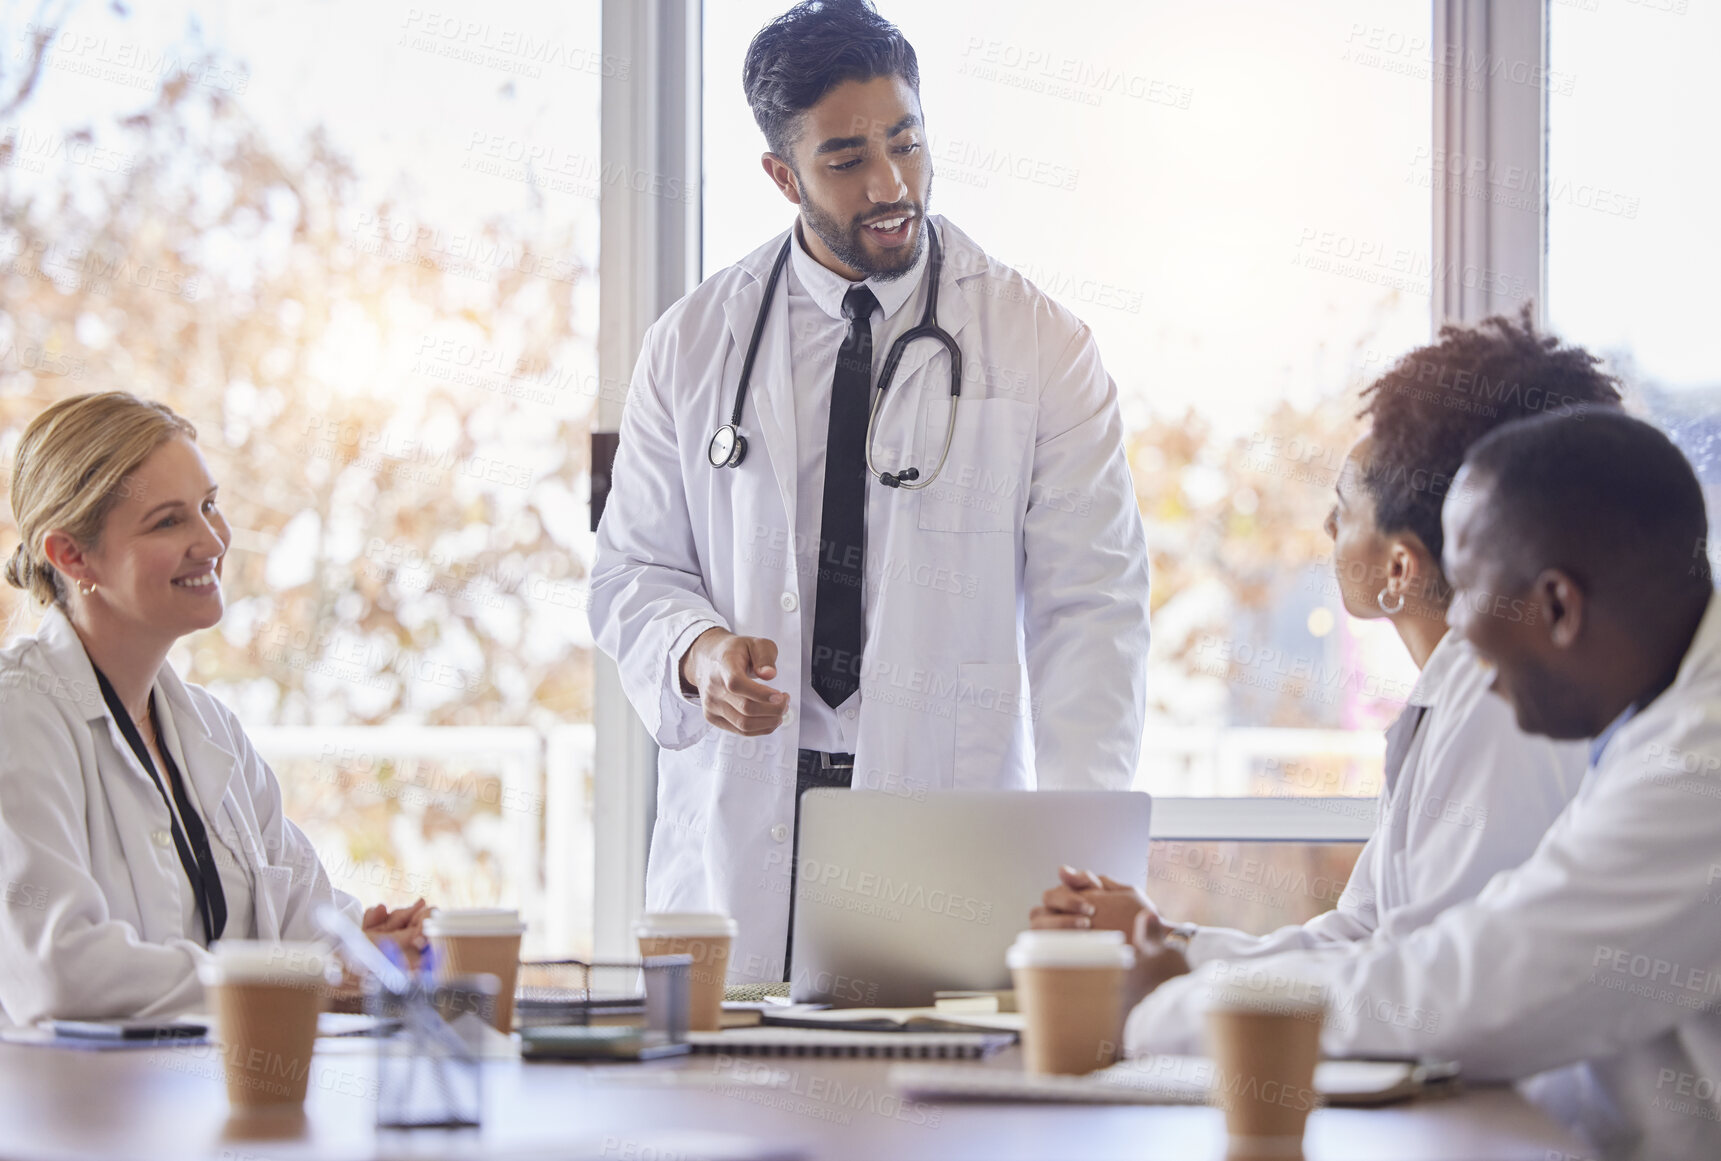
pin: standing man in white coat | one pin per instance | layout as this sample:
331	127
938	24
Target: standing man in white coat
839	572
1575	547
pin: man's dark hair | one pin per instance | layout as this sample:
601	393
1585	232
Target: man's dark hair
810	50
1605	497
1439	399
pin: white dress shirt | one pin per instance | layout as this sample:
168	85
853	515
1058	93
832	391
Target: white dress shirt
816	332
237	883
1594	968
1474	797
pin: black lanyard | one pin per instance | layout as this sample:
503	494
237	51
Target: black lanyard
194	854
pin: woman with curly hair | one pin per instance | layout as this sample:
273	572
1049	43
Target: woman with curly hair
1466	793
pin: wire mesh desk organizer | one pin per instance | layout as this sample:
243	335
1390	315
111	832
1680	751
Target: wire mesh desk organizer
429	1070
619	1010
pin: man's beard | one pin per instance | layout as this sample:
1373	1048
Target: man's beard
848	245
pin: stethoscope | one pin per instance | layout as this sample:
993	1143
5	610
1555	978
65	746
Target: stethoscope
729	447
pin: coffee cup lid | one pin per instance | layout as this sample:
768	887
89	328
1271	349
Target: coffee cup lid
235	961
474	921
668	924
1268	995
1082	949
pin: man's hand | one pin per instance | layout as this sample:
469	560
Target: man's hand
728	673
1085	901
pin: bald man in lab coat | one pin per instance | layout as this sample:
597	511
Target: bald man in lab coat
1593	971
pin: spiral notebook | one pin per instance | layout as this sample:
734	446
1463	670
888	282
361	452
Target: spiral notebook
769	1041
941	1018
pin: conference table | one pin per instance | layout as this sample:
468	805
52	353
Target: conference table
171	1103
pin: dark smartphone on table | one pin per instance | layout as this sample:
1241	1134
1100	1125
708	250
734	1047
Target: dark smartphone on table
130	1029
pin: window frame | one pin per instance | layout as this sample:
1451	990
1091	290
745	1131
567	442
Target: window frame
649	256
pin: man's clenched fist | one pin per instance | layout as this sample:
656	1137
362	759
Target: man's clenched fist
728	673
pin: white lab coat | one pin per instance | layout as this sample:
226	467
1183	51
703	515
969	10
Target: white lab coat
94	922
1594	968
1006	604
1474	797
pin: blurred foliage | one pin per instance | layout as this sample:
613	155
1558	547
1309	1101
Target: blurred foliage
409	828
404	529
1234	525
396	414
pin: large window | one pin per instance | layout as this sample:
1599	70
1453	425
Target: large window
1633	237
357	246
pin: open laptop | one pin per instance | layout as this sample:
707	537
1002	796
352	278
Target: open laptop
899	897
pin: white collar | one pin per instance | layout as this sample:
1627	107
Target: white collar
1447	652
827	288
64	652
1701	658
66	655
1705	648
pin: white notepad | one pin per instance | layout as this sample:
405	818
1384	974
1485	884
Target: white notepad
1153	1080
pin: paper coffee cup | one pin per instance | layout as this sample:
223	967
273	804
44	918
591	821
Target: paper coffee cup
479	941
1069	988
708	937
266	997
1265	1040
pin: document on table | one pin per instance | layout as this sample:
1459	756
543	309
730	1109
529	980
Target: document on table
329	1024
1156	1080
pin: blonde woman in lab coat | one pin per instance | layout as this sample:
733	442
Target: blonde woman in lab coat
137	822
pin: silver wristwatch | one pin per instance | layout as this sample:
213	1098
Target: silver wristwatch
1178	935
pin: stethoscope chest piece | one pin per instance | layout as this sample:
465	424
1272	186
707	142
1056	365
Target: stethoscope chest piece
728	447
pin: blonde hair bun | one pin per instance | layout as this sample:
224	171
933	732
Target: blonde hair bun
18	568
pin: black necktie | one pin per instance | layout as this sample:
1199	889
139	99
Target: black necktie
837	630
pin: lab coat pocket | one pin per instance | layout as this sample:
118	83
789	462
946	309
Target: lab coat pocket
991	708
985	481
274	890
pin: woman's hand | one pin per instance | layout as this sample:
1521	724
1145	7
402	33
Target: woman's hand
1085	901
403	927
